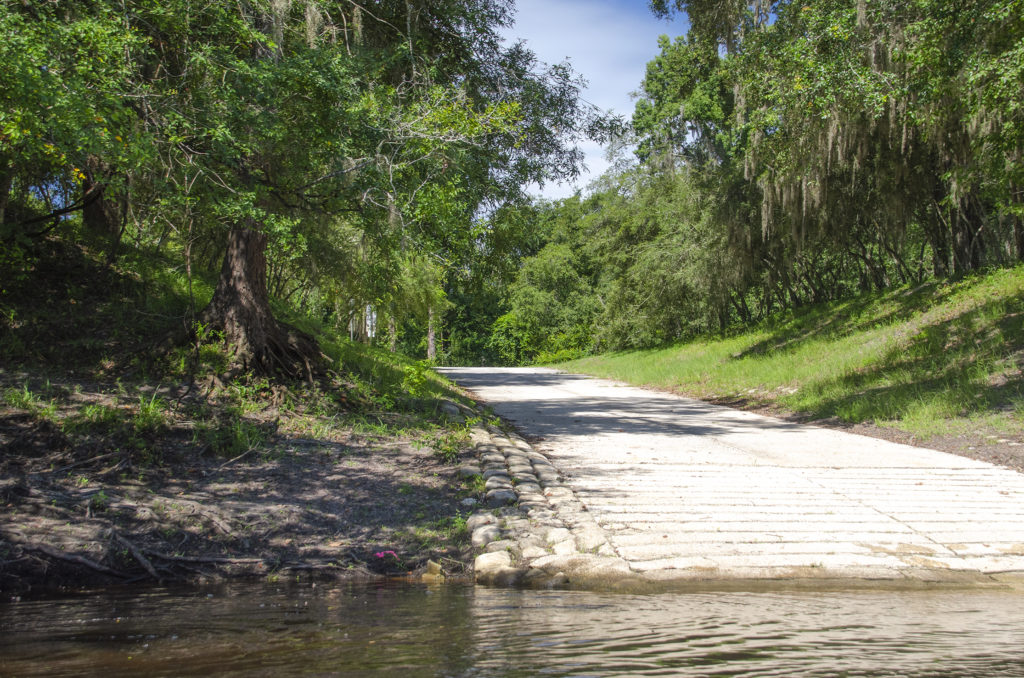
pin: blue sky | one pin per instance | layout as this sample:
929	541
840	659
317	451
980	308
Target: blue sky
608	41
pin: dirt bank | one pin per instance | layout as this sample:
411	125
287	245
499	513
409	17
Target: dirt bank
105	484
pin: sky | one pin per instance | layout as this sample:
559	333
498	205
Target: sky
608	42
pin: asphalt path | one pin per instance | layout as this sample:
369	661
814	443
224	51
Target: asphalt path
687	489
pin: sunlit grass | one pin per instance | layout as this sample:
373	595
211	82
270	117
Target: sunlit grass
931	359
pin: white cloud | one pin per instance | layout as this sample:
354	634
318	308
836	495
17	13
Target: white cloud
609	42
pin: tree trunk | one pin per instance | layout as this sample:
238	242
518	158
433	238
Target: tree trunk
101	215
963	245
938	235
240	308
392	333
431	345
6	180
1018	237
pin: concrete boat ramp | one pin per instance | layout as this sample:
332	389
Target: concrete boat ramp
625	487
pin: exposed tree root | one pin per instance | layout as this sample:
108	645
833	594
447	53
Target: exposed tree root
240	310
51	552
137	554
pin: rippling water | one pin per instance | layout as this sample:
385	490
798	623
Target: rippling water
459	630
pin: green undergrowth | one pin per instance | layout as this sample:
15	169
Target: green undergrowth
931	359
82	355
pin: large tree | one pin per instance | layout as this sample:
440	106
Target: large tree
279	128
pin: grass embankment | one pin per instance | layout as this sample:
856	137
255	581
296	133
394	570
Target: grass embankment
940	362
121	462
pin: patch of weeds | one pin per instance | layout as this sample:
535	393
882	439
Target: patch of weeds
232	436
151	415
22	399
474	486
415	379
447	444
127	428
211	347
249	393
96	418
214	358
99	502
322	428
455	526
320	405
359	393
374	399
25	399
364	425
207	353
309	427
440	533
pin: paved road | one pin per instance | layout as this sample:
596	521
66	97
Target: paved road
684	489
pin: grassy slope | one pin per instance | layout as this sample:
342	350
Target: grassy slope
65	312
933	359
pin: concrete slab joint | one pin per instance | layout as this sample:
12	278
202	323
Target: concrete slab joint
641	490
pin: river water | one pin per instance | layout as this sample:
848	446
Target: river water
461	630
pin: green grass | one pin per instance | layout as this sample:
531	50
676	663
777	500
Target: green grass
25	399
939	358
230	436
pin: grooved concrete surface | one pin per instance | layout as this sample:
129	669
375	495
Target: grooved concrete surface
685	489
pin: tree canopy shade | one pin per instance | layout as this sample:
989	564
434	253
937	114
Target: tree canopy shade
367	162
304	141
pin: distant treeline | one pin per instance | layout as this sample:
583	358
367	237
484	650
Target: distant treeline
788	153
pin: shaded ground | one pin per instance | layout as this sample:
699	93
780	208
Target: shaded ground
114	470
93	493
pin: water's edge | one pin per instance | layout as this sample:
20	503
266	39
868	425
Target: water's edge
465	630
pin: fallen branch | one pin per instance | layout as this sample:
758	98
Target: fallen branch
196	508
74	558
121	463
200	559
216	521
193	570
457	563
311	566
85	461
234	459
52	508
136	554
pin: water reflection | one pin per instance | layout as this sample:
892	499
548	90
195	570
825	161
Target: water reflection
277	630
